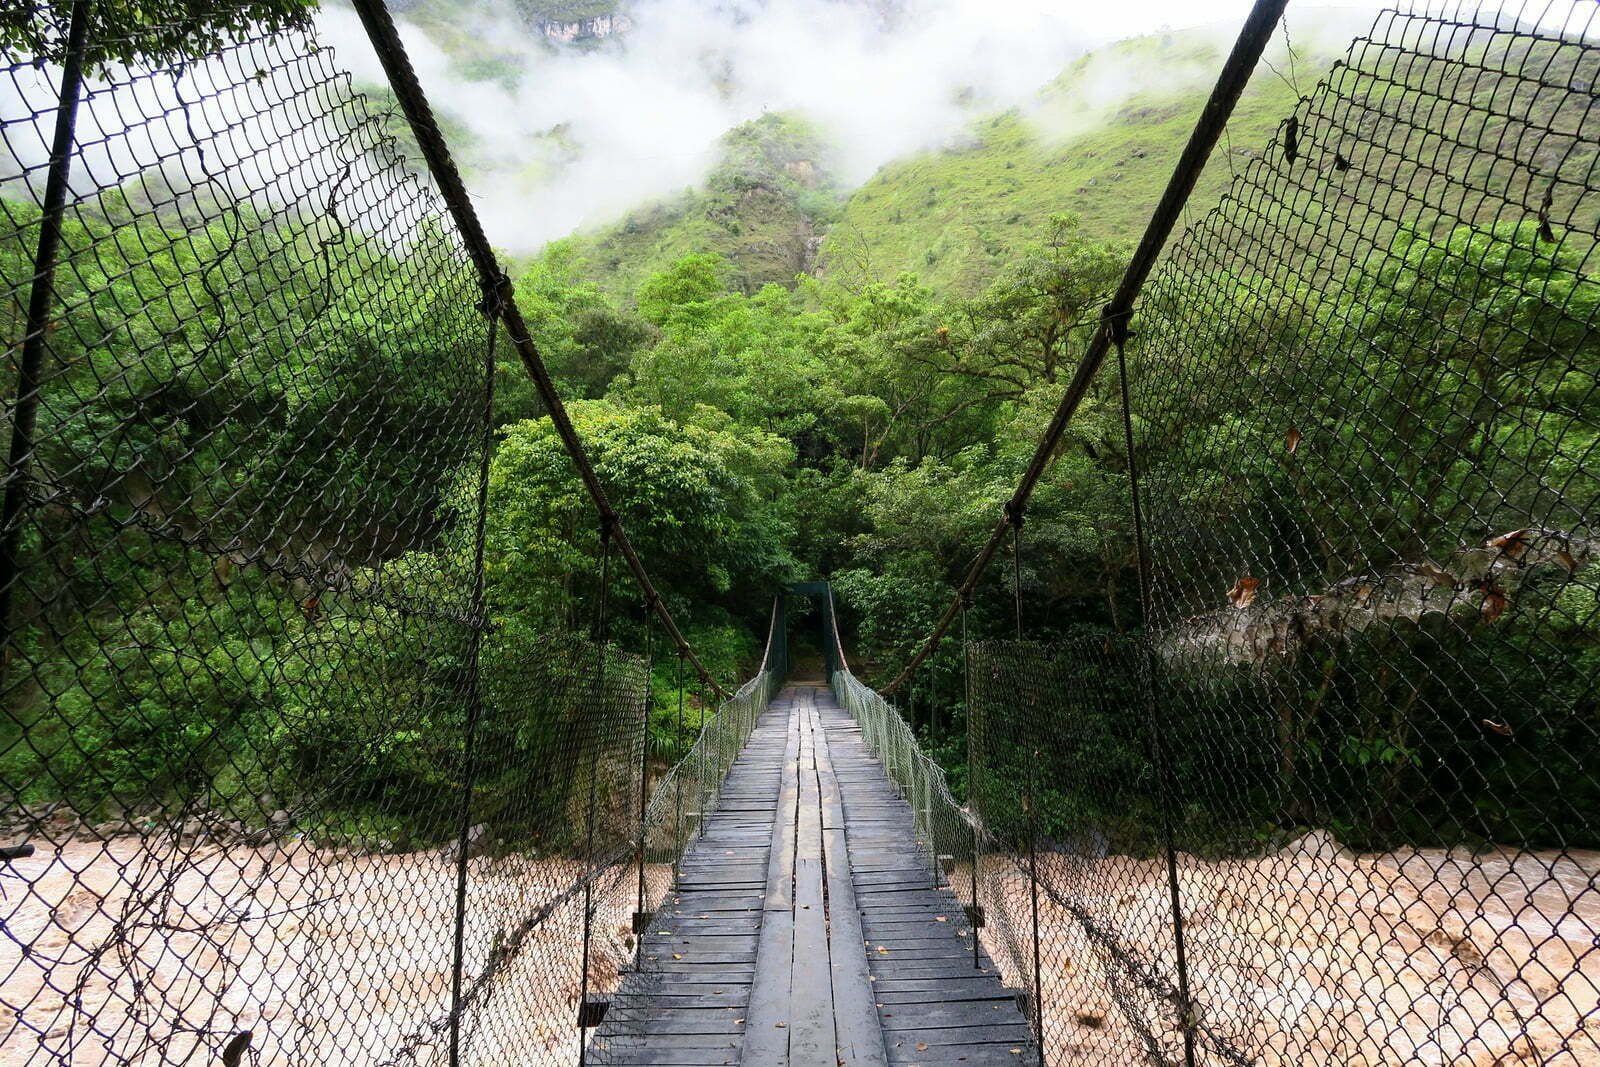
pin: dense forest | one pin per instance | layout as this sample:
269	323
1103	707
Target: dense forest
778	380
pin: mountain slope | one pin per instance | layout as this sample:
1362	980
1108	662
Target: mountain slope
1092	145
1090	148
763	209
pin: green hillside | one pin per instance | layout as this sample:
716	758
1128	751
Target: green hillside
956	216
763	209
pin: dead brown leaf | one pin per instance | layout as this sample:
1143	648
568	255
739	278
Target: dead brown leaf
1513	545
1436	574
1243	593
1494	603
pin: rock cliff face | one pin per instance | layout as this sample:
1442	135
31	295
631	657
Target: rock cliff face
590	29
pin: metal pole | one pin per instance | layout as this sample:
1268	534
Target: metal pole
469	745
1247	50
41	301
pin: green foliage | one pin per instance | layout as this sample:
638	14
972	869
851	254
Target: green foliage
564	10
755	424
760	209
700	499
156	31
1102	140
585	341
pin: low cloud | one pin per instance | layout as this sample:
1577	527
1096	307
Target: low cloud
574	137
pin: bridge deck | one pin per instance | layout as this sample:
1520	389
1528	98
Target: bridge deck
805	930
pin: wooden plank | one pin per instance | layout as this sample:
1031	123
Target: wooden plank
859	1032
769	951
686	1005
933	1005
766	1037
812	1037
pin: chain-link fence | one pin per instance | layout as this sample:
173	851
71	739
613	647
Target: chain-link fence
1339	802
278	783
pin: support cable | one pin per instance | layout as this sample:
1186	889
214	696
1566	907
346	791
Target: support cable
1153	718
975	914
586	1015
41	299
640	913
408	92
1030	796
677	780
470	673
1247	50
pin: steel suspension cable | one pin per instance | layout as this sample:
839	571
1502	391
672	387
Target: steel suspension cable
586	1016
1247	50
1156	731
41	304
391	52
469	741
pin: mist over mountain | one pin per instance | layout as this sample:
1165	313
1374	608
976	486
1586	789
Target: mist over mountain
567	114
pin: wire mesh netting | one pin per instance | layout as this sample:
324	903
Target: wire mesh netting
1340	802
685	799
277	784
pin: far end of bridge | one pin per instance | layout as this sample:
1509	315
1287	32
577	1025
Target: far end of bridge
806	929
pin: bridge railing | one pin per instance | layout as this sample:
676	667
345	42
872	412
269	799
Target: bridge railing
304	758
687	794
1331	794
957	851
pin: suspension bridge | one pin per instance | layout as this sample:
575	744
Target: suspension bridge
1352	416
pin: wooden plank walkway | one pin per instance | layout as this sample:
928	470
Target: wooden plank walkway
805	931
935	1004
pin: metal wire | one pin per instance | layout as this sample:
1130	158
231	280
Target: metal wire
278	790
277	785
1338	802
